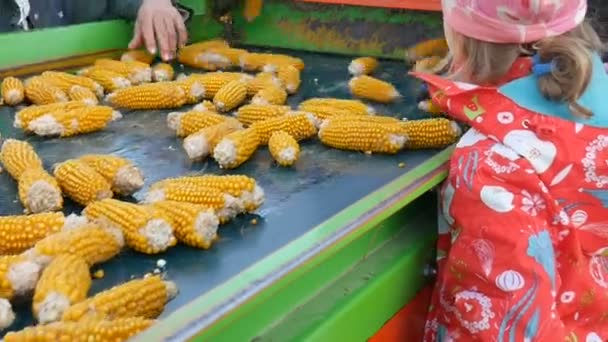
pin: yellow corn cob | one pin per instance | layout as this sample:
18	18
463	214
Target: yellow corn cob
433	47
270	95
12	90
26	115
186	123
121	173
193	88
230	96
367	87
391	122
299	125
362	135
430	133
137	56
81	182
262	80
145	298
236	148
353	106
65	82
78	93
432	64
18	277
149	96
87	330
239	186
289	77
65	281
218	58
18	156
284	149
74	122
144	231
39	191
109	80
41	92
194	225
162	72
251	113
189	54
259	61
89	242
200	144
18	233
430	107
136	72
322	112
212	82
205	106
362	66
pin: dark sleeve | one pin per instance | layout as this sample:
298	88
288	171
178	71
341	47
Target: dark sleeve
126	9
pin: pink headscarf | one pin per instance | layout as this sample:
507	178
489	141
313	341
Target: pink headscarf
513	21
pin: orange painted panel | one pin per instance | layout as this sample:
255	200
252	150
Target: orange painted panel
424	5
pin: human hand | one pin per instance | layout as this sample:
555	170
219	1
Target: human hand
159	22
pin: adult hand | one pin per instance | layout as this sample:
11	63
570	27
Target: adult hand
159	22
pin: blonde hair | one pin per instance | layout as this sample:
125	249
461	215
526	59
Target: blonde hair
571	53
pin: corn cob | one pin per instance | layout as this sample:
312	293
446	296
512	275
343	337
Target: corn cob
137	298
239	186
353	106
149	96
18	233
390	121
18	277
186	123
7	316
87	330
230	96
430	107
189	55
222	57
41	92
135	72
162	72
299	125
144	231
205	106
432	65
200	144
430	133
193	88
362	66
26	115
322	112
194	225
251	113
125	178
13	91
261	81
236	148
81	182
353	133
88	241
18	156
259	61
371	88
39	191
137	56
78	93
270	95
74	122
109	80
289	77
212	82
65	82
284	149
433	47
65	281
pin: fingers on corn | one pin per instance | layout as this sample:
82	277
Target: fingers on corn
194	225
12	91
159	95
299	125
145	298
352	106
144	231
109	80
65	82
289	77
262	80
270	95
79	93
136	72
73	122
26	115
137	56
432	47
236	148
18	156
87	330
19	233
121	173
367	87
284	149
162	72
39	191
186	123
200	144
81	182
251	113
431	133
40	92
362	66
65	281
259	61
230	96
